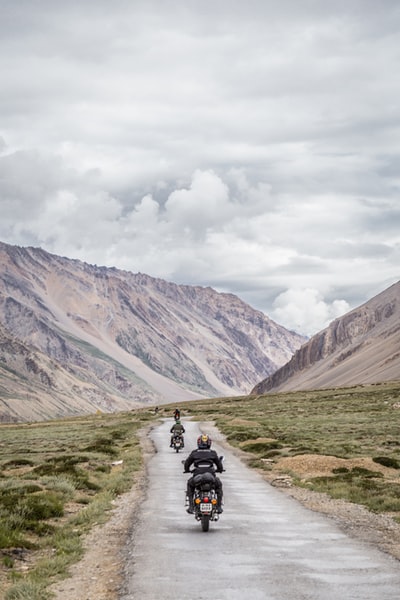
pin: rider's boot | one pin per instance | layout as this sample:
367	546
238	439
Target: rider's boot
219	504
190	508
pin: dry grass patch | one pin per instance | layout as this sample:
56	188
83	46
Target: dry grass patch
241	422
307	466
259	440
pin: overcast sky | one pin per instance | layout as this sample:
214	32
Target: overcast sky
253	147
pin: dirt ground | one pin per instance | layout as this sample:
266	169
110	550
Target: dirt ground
99	575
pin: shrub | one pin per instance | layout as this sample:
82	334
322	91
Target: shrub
18	462
272	453
360	471
60	484
11	537
387	461
103	445
8	561
26	590
42	506
11	497
41	528
242	435
78	476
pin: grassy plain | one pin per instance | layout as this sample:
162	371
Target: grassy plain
58	478
295	433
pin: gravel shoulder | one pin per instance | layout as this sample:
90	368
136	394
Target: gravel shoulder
99	575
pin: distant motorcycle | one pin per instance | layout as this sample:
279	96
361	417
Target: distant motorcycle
178	442
205	499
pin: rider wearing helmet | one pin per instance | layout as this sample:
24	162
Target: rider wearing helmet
203	460
176	429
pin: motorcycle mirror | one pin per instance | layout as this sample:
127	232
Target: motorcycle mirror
221	457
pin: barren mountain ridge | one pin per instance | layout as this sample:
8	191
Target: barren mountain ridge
362	346
75	338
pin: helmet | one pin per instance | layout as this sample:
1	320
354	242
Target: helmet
204	441
177	422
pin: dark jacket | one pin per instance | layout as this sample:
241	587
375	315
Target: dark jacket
203	461
177	429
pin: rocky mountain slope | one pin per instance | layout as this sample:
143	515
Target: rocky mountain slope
75	338
363	346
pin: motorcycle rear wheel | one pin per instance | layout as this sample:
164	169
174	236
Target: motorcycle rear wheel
205	522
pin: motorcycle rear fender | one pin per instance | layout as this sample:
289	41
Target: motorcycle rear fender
204	478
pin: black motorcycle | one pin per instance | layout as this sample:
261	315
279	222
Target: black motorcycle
205	499
178	442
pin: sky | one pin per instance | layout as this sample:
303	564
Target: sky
253	147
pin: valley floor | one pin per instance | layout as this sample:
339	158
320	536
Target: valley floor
99	576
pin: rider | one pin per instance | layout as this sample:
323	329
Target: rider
176	429
177	414
203	460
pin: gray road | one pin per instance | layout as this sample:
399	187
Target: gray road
265	546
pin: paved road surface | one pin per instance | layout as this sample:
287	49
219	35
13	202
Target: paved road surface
265	546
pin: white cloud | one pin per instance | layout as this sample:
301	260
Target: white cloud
204	205
306	310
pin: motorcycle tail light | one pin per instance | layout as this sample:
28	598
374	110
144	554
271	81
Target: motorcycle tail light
197	500
206	499
214	501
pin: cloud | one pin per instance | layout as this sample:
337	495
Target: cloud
203	206
250	147
232	234
306	310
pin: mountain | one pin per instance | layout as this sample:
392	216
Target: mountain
76	338
35	387
360	347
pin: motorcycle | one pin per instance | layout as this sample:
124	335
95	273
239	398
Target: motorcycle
178	442
205	499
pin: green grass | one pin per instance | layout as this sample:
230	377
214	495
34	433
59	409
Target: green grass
43	468
362	487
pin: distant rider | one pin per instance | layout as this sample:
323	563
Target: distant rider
177	414
203	460
177	429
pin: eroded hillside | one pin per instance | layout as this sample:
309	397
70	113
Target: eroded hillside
363	346
133	338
